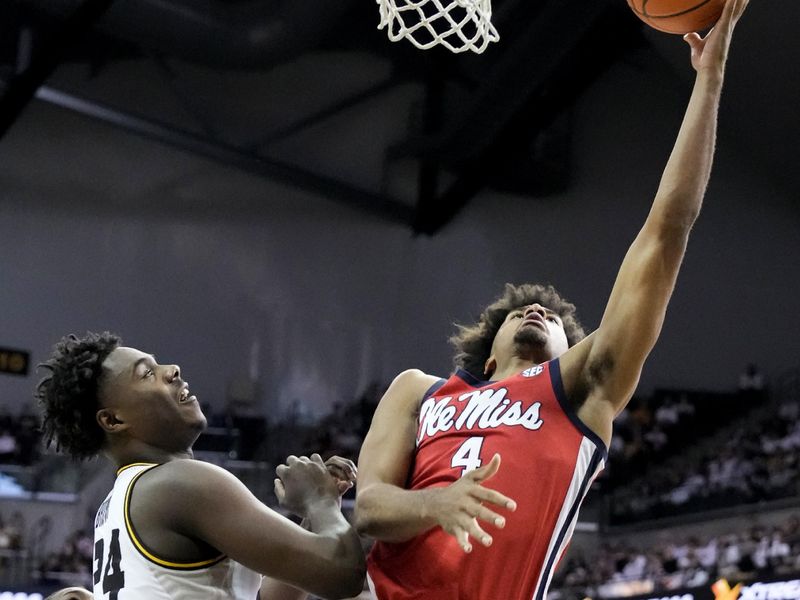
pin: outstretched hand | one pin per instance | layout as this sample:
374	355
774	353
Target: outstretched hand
711	51
457	507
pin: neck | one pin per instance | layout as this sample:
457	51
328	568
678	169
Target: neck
140	452
523	358
512	367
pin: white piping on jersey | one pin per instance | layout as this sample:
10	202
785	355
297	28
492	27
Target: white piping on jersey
202	564
371	585
588	456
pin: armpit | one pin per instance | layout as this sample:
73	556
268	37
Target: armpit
594	374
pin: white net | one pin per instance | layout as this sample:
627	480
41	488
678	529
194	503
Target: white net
458	25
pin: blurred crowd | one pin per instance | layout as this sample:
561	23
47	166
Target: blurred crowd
70	564
343	430
757	460
619	570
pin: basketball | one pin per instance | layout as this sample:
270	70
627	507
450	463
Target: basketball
678	16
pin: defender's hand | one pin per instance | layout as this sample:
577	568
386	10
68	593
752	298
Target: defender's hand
303	482
343	471
711	52
458	506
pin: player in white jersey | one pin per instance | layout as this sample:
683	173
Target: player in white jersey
174	528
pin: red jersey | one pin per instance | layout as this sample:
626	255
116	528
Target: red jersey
549	460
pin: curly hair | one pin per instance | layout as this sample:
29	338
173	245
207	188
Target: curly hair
68	394
473	343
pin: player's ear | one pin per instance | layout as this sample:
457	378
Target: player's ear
490	366
109	421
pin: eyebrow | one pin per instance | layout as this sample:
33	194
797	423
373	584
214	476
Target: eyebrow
149	358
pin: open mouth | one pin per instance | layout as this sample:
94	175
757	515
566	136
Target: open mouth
185	396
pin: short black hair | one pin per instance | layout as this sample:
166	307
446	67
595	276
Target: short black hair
473	343
68	394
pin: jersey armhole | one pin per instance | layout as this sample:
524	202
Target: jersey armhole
554	368
433	389
147	552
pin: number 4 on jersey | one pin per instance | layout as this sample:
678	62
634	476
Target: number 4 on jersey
468	455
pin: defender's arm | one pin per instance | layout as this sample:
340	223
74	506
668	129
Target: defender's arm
210	504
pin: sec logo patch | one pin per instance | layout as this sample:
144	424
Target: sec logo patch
533	371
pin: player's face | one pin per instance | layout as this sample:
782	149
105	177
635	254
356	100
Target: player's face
531	332
151	400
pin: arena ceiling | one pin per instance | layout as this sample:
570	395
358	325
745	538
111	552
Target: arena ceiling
311	95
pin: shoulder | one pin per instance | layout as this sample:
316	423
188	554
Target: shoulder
412	384
414	378
177	494
184	470
184	479
405	393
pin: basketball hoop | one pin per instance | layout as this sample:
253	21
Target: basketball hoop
458	25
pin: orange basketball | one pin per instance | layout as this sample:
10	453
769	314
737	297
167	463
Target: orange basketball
678	16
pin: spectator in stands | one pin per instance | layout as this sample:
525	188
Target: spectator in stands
28	439
8	446
707	554
751	380
667	414
10	538
11	532
684	408
71	562
656	439
792	530
760	552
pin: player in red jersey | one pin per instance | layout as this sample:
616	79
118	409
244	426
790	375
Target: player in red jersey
533	390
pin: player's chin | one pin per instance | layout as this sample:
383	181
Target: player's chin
198	422
529	338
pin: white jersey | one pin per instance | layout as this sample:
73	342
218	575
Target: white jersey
124	568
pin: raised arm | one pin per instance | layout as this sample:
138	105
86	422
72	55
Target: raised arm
386	511
604	369
210	504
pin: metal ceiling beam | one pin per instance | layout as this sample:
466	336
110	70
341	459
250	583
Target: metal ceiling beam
520	97
242	34
326	113
528	62
333	189
23	85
